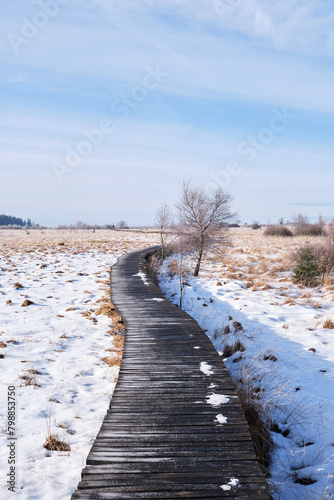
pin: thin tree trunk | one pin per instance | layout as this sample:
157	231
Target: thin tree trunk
162	247
180	276
198	263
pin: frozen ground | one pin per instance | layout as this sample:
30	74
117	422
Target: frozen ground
52	351
247	303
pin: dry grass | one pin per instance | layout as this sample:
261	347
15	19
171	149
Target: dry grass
229	350
26	303
289	302
114	360
53	242
118	340
328	324
258	424
173	267
53	443
255	258
107	310
30	379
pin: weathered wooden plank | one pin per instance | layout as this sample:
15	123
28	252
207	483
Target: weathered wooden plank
161	485
246	467
190	495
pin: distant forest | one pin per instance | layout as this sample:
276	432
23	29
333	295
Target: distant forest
8	220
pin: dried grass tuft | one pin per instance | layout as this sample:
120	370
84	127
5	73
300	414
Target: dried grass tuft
30	380
53	443
229	350
107	310
26	303
113	360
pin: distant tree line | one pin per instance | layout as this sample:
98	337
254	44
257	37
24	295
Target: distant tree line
9	220
83	225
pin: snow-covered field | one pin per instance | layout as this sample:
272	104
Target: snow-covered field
51	351
285	356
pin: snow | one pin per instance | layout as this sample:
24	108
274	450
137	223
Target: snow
284	354
206	368
221	419
143	277
217	399
61	339
232	483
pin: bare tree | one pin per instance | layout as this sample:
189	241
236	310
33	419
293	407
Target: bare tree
203	218
163	221
122	225
181	245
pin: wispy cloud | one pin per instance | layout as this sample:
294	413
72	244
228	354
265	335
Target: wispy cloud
292	25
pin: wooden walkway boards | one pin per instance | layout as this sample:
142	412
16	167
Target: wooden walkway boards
164	435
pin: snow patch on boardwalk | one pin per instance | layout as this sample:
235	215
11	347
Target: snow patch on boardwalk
232	483
206	368
217	399
221	419
143	277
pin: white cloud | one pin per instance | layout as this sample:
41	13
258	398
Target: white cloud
292	25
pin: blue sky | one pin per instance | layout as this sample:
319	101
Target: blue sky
212	83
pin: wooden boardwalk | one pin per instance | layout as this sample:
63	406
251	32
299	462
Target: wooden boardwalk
161	437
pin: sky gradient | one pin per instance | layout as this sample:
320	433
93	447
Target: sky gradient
108	105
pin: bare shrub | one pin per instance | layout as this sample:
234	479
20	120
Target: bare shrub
255	225
325	255
311	230
278	230
303	227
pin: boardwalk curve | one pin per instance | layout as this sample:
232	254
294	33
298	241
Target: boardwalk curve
175	427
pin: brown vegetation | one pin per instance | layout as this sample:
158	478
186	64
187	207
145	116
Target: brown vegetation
53	443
